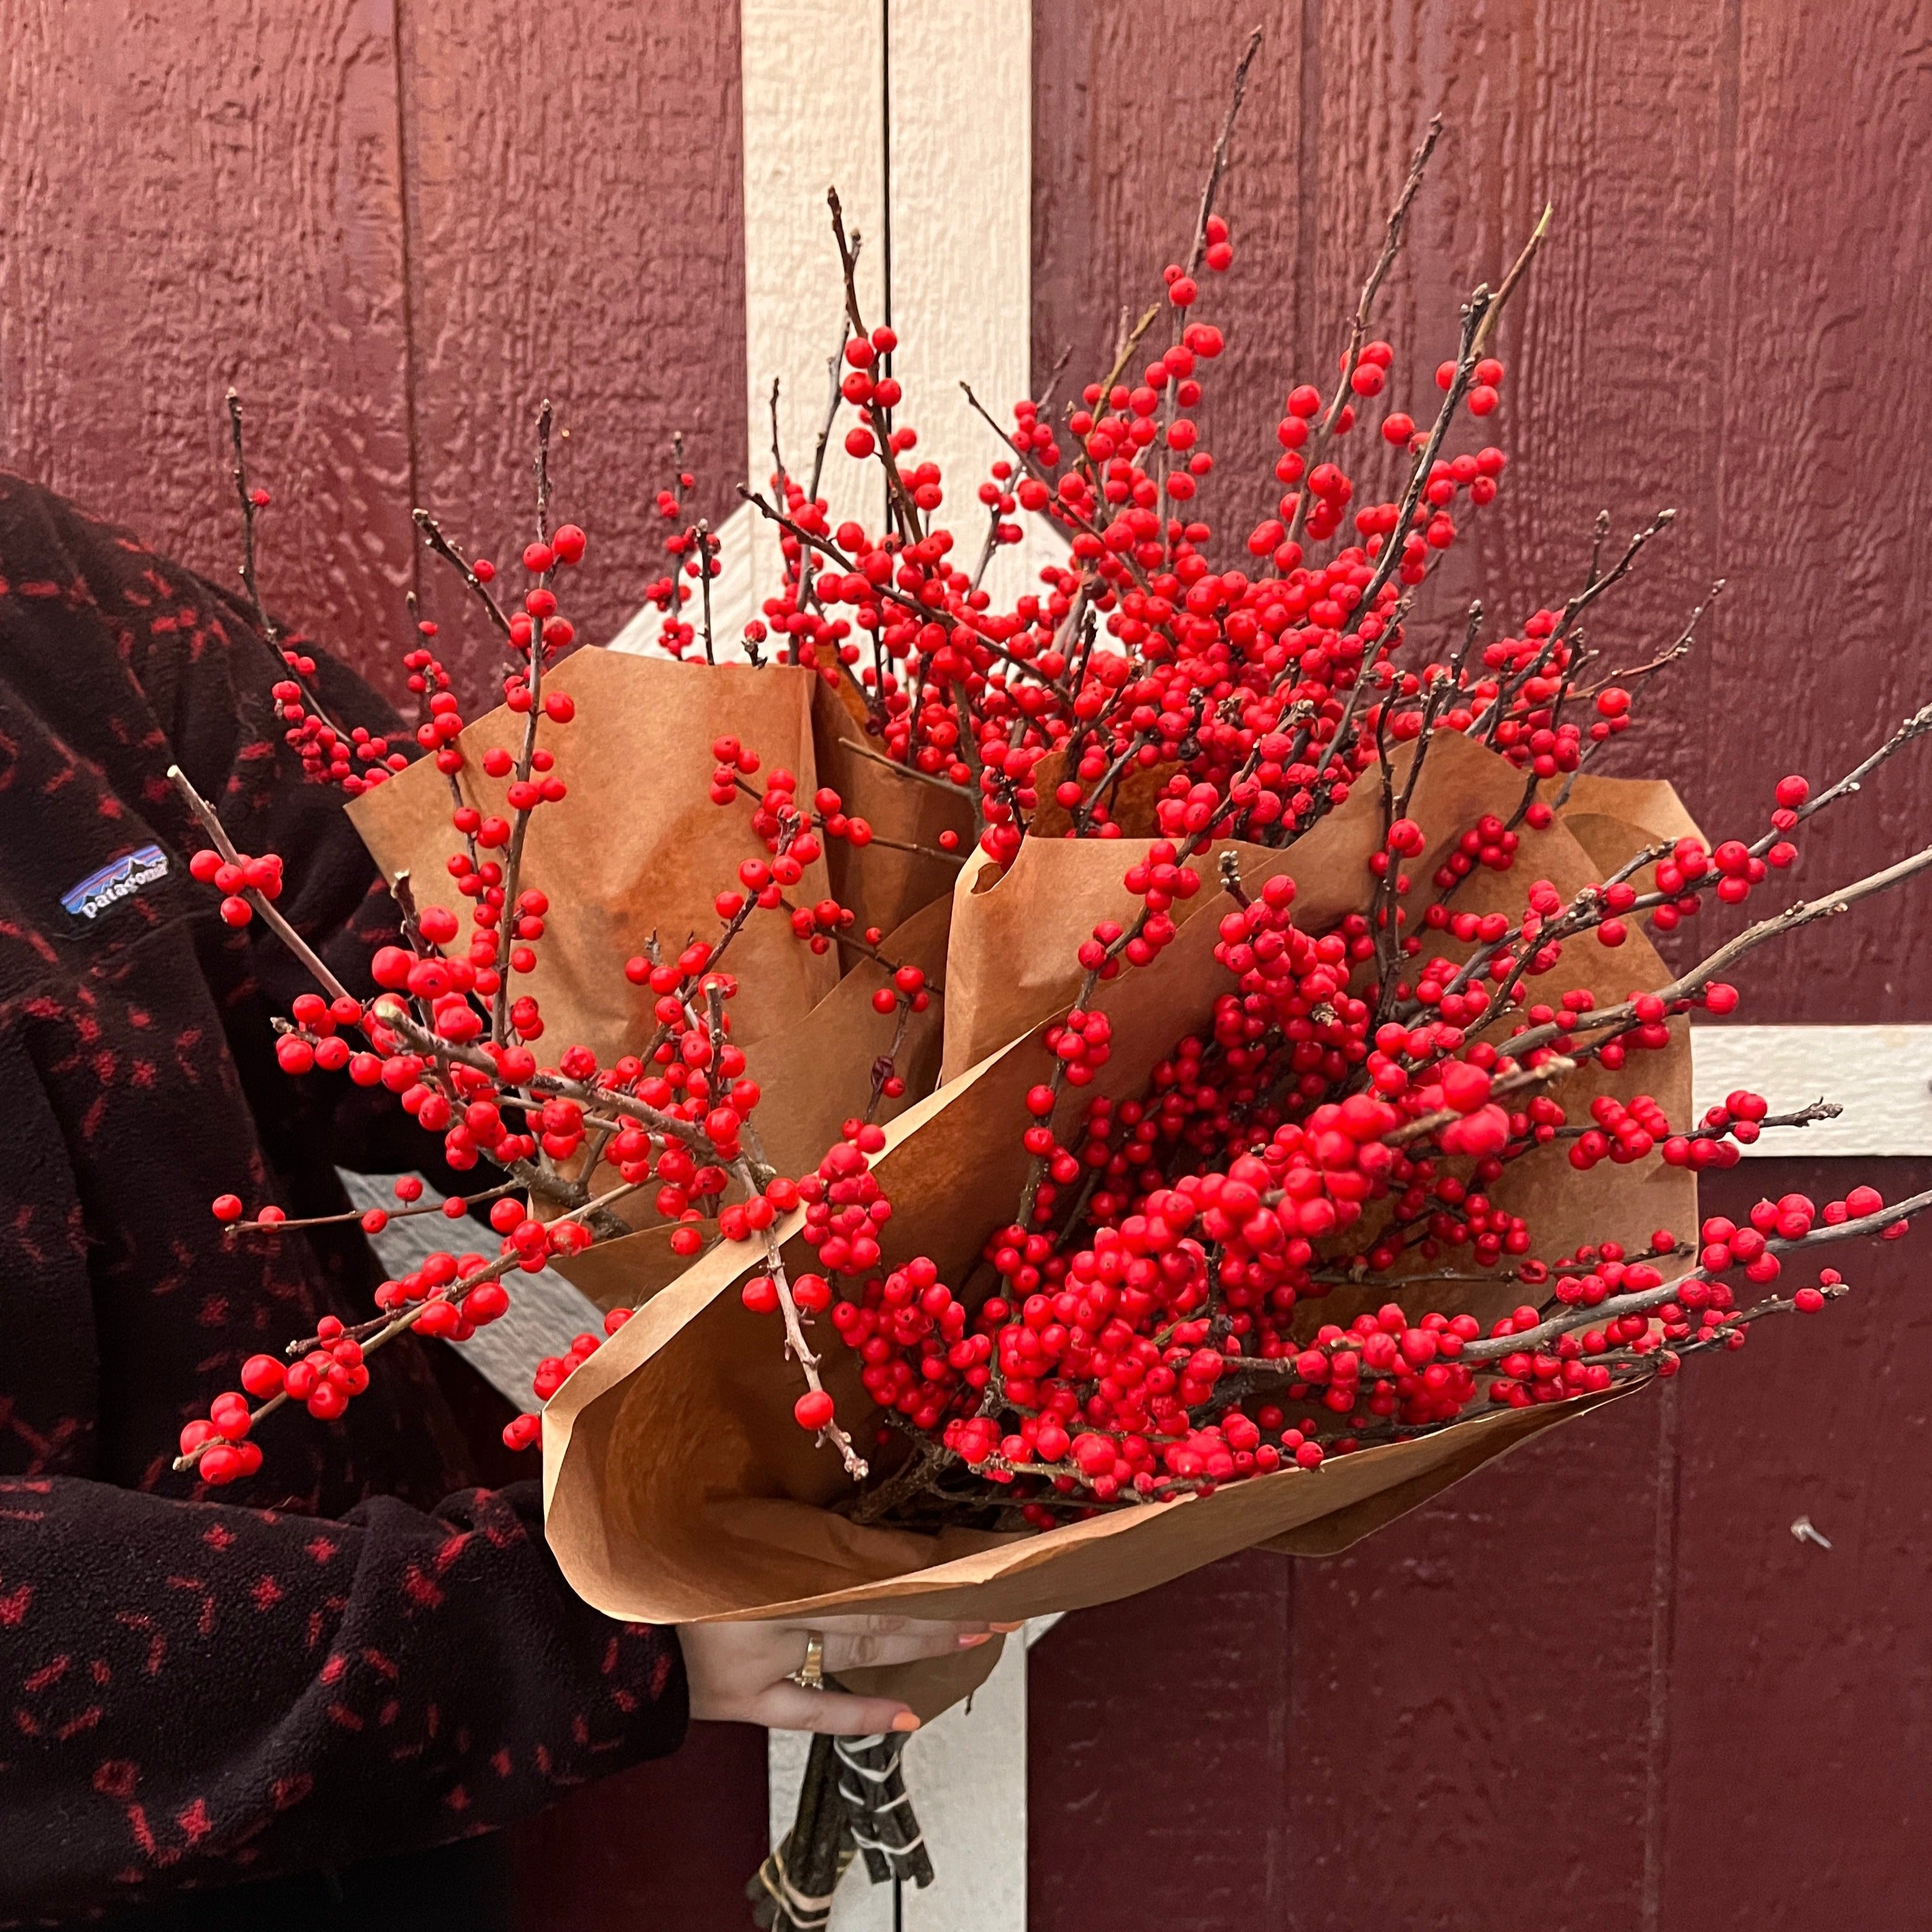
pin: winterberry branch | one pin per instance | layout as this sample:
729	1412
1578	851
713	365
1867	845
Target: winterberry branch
434	539
264	907
1642	1301
1365	307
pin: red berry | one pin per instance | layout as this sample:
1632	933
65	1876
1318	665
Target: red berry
486	1302
262	1376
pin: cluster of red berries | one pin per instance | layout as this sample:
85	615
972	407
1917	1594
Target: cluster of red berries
526	1432
355	759
983	698
1139	1326
236	877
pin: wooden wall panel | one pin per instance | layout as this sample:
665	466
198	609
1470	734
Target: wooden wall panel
1824	485
1476	1683
575	200
1614	116
199	196
1407	1690
203	196
1154	1782
1800	1714
1729	319
1127	101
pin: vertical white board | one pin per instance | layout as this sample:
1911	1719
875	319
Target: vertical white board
966	1773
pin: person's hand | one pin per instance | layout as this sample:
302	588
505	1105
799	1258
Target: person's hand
743	1672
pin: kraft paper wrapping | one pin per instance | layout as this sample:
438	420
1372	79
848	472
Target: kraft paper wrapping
883	886
814	1075
1012	957
679	1489
1614	819
635	848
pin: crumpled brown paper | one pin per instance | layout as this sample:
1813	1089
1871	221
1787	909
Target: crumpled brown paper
636	848
814	1075
679	1489
1614	819
883	885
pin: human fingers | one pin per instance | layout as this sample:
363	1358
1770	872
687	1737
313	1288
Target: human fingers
784	1707
889	1626
865	1652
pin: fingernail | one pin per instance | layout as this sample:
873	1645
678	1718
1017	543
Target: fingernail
967	1641
1004	1628
906	1721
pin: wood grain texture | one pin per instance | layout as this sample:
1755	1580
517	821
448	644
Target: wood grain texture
1158	1735
1729	319
1614	115
1478	1678
1127	102
195	198
1823	488
575	215
1800	1685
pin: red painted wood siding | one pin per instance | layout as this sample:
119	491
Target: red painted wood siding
1599	1685
394	226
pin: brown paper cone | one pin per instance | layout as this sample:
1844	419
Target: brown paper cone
815	1074
1614	819
679	1489
636	848
1013	958
883	886
1135	796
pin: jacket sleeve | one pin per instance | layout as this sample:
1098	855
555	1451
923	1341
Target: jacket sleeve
197	1694
192	1692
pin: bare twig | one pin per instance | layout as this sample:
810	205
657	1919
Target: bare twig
1218	166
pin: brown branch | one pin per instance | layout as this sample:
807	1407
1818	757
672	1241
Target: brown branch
796	1345
271	917
895	483
1218	166
1693	983
433	537
1554	1068
1641	1302
1518	269
457	1292
1914	727
1365	305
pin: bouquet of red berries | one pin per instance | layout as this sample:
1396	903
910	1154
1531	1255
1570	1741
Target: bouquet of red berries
1052	1092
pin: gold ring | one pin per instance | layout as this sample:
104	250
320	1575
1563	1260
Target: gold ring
810	1676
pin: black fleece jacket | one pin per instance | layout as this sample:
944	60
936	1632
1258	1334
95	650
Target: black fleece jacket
340	1658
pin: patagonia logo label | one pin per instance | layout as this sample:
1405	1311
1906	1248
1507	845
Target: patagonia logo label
119	879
